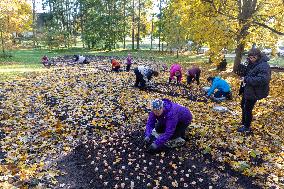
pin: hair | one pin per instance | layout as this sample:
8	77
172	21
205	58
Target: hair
210	79
255	52
155	73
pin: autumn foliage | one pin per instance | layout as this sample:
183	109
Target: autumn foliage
45	116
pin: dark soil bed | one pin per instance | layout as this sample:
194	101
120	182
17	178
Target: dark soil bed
121	162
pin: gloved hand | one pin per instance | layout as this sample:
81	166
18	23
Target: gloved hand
147	140
153	148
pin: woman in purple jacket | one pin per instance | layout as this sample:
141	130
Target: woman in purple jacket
170	121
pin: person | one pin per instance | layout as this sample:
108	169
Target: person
254	85
80	59
115	65
166	125
45	61
164	67
222	66
143	75
128	62
223	88
175	71
193	74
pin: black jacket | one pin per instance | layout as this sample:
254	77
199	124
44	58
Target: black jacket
257	79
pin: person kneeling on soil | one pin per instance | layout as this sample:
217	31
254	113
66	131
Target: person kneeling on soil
143	75
193	74
80	59
224	89
115	65
166	125
175	71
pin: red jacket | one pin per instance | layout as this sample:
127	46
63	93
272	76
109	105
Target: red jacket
115	63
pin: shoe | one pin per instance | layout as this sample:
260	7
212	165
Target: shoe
244	129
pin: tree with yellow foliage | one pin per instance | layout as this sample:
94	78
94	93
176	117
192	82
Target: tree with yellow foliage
15	16
232	23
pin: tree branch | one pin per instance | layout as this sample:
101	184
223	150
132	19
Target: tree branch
267	27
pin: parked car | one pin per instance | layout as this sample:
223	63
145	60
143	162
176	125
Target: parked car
267	51
280	51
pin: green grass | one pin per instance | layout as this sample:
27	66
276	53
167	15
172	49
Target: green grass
25	61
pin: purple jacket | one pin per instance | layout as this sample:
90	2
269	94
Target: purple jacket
128	60
173	115
193	71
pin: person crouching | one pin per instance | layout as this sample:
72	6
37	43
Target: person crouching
193	74
144	75
115	65
166	125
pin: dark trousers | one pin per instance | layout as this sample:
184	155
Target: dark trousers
128	67
196	77
170	79
139	79
220	94
179	132
116	69
247	107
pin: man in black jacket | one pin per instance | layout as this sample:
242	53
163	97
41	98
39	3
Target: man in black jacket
254	86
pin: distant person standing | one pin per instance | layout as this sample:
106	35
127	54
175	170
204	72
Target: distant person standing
175	71
128	62
254	85
193	74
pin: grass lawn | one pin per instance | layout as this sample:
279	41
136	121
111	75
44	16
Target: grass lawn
28	60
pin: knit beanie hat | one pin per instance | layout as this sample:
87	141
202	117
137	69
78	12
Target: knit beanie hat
157	104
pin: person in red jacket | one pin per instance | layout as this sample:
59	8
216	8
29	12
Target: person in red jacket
115	65
193	74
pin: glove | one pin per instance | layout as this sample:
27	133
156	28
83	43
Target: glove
152	149
147	141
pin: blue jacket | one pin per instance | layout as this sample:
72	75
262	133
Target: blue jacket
219	84
173	115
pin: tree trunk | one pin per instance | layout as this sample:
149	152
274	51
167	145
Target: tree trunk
81	25
138	26
133	20
239	53
177	53
152	30
34	33
2	42
124	24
